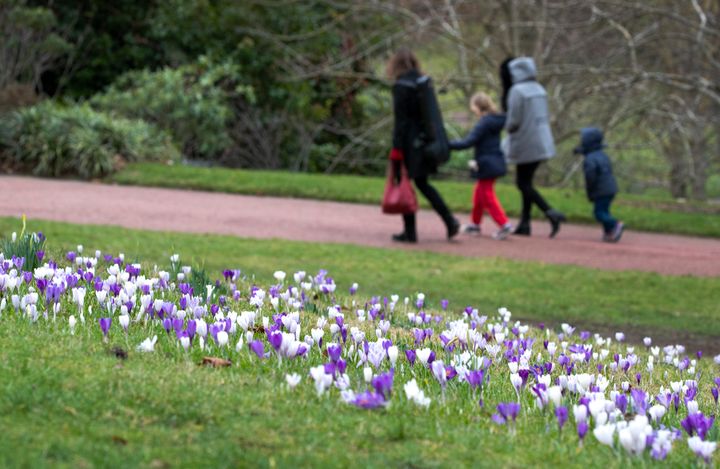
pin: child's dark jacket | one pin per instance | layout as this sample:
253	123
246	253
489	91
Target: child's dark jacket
485	138
599	179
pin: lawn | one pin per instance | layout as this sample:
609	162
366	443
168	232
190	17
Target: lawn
68	400
639	212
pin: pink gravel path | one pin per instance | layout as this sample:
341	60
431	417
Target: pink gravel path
308	220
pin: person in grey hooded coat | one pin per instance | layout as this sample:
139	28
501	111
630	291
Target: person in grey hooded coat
530	140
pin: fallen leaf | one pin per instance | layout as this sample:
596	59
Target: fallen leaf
119	440
215	362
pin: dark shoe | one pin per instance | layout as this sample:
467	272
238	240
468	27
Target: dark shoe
453	229
555	218
617	232
523	229
404	238
471	229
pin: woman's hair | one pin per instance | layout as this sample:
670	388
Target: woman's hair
483	103
401	62
506	80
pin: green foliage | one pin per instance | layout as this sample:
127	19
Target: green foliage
26	246
190	102
52	139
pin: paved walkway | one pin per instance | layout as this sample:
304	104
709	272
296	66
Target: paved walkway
307	220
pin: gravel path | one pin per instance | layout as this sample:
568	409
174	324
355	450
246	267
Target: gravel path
308	220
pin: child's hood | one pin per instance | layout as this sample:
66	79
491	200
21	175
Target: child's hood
522	69
591	139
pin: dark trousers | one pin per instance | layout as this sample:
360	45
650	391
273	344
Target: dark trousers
602	213
524	181
437	202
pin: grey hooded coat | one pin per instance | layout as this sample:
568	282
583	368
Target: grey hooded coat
528	120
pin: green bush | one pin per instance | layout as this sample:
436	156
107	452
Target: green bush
52	139
190	102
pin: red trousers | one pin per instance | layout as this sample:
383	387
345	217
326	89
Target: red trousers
484	198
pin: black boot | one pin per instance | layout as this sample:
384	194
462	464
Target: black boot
523	229
555	218
453	228
409	234
404	238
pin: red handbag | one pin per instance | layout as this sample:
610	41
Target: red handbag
399	198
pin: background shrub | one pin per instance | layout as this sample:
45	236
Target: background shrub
52	139
189	102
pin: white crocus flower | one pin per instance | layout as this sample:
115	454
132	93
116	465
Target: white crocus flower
415	394
72	322
292	379
604	434
393	354
657	412
423	355
185	342
147	345
222	338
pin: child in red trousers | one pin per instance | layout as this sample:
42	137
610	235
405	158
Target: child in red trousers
488	164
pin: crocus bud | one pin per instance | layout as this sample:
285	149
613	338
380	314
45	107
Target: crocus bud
222	338
368	374
392	354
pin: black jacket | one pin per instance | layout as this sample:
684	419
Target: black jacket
485	137
599	179
408	128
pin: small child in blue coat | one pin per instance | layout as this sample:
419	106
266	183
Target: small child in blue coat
600	183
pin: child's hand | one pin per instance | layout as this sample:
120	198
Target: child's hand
472	164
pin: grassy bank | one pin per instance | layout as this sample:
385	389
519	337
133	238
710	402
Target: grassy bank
640	213
70	399
533	291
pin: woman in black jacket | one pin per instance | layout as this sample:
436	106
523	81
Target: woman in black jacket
404	68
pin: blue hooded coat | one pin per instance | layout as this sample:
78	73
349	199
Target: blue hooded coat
599	179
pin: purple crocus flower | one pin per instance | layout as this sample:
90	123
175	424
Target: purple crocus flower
444	304
410	355
258	348
507	411
582	429
475	378
334	352
105	325
714	392
71	256
639	399
383	383
369	400
40	255
275	339
167	324
562	415
697	423
621	402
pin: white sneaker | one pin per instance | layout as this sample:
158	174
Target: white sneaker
503	232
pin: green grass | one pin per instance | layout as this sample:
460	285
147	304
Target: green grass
533	291
65	401
640	213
